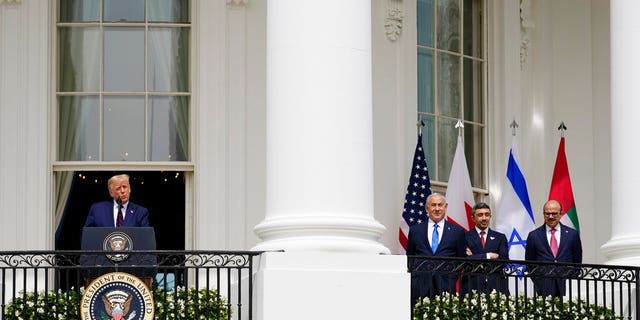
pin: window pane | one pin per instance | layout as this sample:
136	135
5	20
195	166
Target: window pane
449	85
124	128
169	11
447	140
425	22
124	59
428	143
473	28
124	10
449	25
123	64
169	129
169	59
79	10
78	59
473	90
473	146
425	80
78	128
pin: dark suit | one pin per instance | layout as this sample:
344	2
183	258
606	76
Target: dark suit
494	242
452	244
101	215
538	249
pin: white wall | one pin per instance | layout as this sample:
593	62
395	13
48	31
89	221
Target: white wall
394	108
25	87
229	99
599	226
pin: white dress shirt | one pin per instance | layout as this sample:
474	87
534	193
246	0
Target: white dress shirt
557	235
115	211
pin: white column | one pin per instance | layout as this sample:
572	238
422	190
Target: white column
319	201
319	128
624	246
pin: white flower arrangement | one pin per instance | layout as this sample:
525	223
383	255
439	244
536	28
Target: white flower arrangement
496	305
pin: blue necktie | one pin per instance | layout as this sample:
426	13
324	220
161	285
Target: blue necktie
434	239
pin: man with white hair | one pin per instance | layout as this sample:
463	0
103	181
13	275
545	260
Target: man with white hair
434	237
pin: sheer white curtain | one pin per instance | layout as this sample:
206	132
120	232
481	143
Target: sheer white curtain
169	48
78	71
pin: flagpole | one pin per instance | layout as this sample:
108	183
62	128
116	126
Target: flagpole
420	124
513	126
562	129
459	126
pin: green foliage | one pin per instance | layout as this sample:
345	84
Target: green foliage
177	305
500	306
184	304
53	305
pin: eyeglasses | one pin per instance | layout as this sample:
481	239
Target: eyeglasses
551	213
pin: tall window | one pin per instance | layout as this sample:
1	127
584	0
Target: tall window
123	80
123	96
451	83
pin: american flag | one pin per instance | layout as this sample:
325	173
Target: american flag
417	191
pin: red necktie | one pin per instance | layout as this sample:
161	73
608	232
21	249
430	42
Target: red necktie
553	243
119	219
482	238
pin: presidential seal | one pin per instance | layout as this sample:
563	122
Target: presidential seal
117	242
117	296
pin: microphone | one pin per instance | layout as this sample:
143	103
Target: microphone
119	201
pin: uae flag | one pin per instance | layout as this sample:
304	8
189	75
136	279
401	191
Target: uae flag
459	193
561	189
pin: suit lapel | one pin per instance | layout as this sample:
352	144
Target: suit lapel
108	214
475	240
443	239
131	208
446	231
489	240
564	232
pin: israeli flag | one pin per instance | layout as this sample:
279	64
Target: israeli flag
514	217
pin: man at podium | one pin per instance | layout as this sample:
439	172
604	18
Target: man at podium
130	220
119	212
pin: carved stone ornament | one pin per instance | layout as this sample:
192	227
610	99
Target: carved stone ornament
526	24
10	1
393	23
235	2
